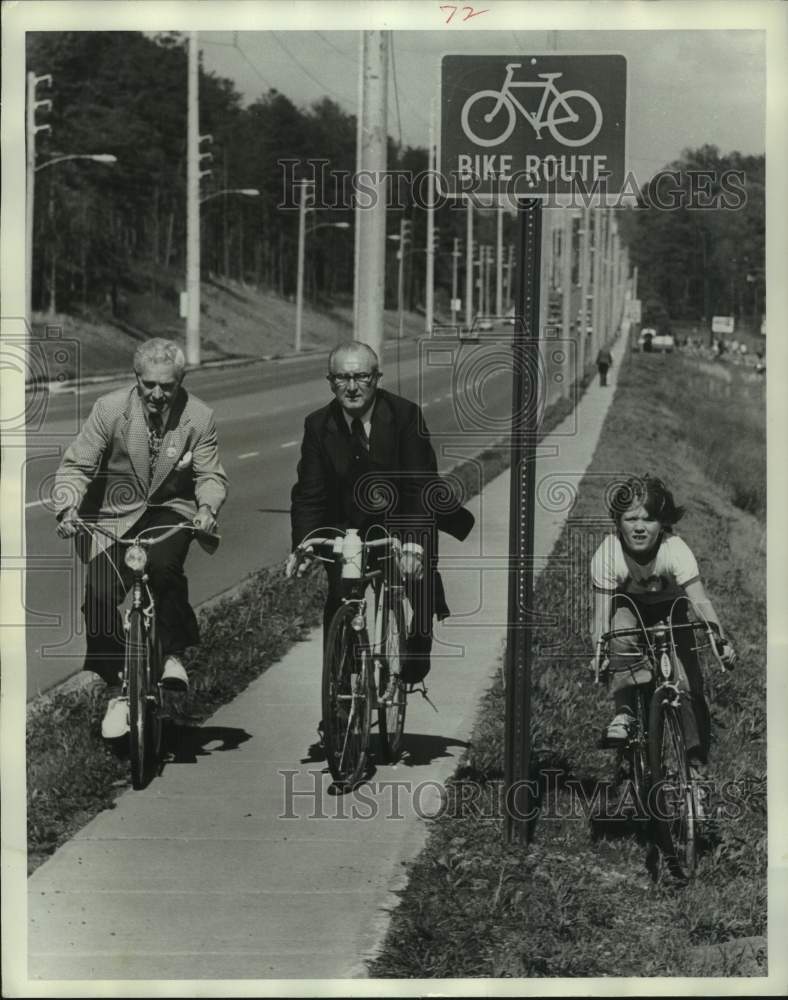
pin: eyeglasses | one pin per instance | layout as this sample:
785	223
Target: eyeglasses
343	378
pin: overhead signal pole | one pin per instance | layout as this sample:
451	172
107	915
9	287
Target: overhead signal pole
469	263
429	294
31	132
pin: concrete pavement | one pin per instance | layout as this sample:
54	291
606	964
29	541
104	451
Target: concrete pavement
237	863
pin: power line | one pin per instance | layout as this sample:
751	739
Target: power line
303	69
236	45
396	91
331	45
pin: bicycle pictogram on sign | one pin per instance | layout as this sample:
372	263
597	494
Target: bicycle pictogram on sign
573	117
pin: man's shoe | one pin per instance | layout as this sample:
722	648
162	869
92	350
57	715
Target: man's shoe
619	727
116	719
174	676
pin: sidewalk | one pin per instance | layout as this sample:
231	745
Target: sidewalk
242	865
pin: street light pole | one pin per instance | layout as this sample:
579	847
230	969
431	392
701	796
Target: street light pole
302	209
469	264
302	234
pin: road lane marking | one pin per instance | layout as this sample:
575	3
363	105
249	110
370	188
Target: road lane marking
437	399
249	454
289	444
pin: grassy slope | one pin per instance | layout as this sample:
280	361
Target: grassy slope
569	905
237	321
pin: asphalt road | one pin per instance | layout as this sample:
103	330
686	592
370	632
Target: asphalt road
465	391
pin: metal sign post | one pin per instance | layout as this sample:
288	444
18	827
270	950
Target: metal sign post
521	129
525	425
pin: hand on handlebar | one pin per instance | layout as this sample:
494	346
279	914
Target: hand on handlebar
204	520
726	653
299	561
68	525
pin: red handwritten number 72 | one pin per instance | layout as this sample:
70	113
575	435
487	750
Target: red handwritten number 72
470	12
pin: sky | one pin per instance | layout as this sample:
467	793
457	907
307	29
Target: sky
685	88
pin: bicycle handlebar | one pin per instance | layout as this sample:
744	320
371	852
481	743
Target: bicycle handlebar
139	540
604	640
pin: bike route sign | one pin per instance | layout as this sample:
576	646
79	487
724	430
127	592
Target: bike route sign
533	125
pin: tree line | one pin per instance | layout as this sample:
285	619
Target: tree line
103	234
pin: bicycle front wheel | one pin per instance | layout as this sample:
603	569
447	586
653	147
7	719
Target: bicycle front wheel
671	797
141	717
486	119
348	694
391	714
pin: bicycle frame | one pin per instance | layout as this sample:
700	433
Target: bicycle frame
549	89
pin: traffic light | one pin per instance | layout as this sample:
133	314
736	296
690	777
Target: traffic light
405	231
436	239
206	155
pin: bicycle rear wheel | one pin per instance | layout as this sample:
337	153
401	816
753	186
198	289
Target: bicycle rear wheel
141	722
672	797
348	694
391	715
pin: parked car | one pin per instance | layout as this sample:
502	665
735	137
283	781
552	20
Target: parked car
650	340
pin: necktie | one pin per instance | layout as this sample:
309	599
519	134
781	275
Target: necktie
359	434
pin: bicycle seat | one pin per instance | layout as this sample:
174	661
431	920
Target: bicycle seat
549	76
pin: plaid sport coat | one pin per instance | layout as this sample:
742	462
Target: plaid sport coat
105	472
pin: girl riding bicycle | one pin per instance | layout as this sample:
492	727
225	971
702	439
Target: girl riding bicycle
640	575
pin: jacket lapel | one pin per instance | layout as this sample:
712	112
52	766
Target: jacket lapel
135	438
172	445
382	439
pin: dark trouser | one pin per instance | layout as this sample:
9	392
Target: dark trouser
629	670
105	590
419	639
603	373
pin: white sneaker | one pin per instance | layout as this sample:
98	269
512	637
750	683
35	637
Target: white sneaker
174	675
619	727
116	719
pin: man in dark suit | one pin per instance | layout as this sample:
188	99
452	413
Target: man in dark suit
147	456
366	459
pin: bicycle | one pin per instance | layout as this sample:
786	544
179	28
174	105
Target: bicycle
363	653
505	98
142	662
654	756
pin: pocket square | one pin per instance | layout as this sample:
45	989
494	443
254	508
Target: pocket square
185	461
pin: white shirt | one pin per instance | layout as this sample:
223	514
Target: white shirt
366	420
613	569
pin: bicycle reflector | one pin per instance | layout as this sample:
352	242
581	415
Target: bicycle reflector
665	666
135	558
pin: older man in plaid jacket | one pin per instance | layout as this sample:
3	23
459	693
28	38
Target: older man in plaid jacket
147	456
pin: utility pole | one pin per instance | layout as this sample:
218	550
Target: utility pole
509	266
32	130
585	268
596	305
455	255
499	263
404	240
303	197
370	248
566	296
429	295
193	208
469	264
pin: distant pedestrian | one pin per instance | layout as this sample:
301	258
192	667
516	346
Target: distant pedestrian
604	360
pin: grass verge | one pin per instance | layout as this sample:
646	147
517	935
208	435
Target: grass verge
71	772
578	902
